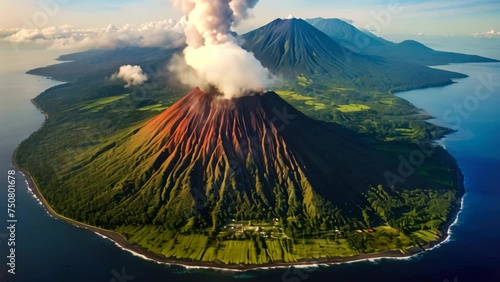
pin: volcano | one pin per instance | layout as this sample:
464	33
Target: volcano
243	156
293	45
207	159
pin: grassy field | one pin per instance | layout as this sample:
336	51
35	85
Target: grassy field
317	106
258	250
424	236
155	108
99	104
293	95
352	108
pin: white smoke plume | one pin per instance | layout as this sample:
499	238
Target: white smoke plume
213	51
131	75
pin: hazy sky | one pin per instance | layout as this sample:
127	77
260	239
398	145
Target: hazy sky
457	17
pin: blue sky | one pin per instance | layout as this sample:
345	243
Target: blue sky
457	17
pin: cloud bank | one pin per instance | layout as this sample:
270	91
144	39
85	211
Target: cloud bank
489	34
213	53
131	75
167	34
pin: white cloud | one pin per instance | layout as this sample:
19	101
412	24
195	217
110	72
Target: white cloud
489	34
167	34
4	32
131	75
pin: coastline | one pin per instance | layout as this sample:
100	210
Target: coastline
435	85
136	250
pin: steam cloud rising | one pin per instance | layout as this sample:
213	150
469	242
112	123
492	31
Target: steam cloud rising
213	51
131	75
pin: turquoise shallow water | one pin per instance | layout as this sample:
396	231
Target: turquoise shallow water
50	250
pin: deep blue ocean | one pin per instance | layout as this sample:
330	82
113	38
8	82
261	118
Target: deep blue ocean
49	250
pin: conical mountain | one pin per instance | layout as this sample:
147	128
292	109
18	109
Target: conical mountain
294	47
207	159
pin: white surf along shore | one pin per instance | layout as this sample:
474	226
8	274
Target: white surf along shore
33	190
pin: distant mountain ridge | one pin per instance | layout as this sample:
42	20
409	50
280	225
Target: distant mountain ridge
346	34
407	51
415	52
